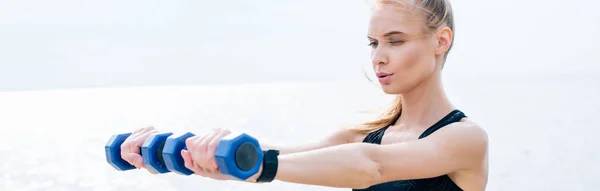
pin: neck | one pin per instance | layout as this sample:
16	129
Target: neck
425	104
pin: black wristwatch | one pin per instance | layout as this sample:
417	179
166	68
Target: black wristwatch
270	164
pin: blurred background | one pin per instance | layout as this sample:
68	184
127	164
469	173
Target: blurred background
72	73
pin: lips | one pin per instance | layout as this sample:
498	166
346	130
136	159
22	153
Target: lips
384	78
382	74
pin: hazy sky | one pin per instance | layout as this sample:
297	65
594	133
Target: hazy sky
76	43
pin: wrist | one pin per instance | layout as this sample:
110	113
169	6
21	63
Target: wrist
269	166
254	178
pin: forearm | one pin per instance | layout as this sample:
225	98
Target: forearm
283	149
344	166
290	149
338	137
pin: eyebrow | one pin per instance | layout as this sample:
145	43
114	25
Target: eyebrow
391	33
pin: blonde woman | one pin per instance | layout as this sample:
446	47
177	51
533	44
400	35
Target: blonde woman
421	143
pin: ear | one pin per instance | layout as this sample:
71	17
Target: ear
444	40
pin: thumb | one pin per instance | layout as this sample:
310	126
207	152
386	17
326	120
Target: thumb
187	159
136	160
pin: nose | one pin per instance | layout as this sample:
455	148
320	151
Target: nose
378	57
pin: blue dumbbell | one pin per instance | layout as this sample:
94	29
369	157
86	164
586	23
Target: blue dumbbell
151	152
112	150
172	153
238	155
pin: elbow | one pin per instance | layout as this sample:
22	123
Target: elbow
370	177
371	173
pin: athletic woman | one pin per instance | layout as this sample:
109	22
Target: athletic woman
422	142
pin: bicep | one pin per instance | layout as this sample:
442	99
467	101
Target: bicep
446	151
340	136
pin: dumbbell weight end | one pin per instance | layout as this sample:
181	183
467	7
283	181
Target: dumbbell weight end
152	153
239	156
112	150
172	153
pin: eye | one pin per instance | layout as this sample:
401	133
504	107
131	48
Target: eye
397	42
373	44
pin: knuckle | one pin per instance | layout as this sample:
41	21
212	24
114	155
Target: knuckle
200	144
124	146
212	145
131	146
197	156
189	142
202	141
124	157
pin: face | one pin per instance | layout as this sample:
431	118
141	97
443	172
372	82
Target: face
403	54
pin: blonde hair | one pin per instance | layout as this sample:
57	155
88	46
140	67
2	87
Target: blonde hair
437	13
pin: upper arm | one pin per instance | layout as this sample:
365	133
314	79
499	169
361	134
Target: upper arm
340	136
457	147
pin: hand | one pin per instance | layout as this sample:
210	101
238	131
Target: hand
200	155
199	171
130	149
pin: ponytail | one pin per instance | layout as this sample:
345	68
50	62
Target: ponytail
387	118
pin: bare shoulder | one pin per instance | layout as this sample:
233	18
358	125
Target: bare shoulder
466	128
464	139
470	142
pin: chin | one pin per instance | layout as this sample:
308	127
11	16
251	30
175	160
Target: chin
387	89
397	88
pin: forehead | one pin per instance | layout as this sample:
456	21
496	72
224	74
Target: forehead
394	18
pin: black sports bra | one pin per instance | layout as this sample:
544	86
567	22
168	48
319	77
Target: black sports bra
440	183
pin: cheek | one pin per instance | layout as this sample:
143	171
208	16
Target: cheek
408	61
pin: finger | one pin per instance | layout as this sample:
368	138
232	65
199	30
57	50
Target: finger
125	152
212	148
142	135
190	142
204	173
200	156
143	130
199	147
136	143
192	147
134	147
139	130
187	160
199	169
136	160
189	164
